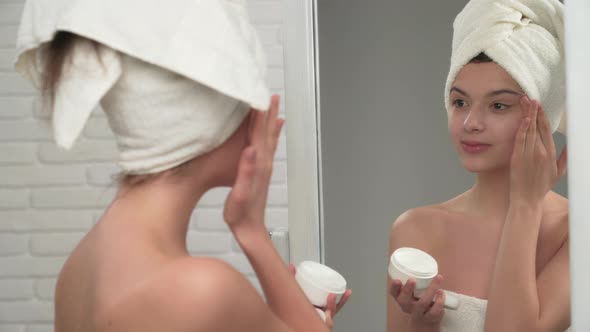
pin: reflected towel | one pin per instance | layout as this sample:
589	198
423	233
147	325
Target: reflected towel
526	38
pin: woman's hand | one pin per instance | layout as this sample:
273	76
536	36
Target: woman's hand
331	308
533	167
428	310
246	203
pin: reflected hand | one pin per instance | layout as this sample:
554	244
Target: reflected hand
426	310
332	307
534	169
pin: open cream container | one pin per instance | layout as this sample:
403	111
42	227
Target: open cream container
317	281
406	263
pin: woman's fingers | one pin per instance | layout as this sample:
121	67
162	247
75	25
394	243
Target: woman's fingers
521	139
562	162
329	320
271	133
406	296
247	170
347	294
430	305
273	113
542	138
276	138
531	139
546	145
273	126
259	128
241	193
545	133
332	307
331	303
427	296
264	136
396	288
437	310
524	106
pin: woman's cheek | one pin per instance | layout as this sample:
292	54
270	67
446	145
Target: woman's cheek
513	127
455	127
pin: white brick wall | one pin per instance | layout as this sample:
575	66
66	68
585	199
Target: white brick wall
50	198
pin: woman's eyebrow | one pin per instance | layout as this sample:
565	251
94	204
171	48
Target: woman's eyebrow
491	94
503	91
459	91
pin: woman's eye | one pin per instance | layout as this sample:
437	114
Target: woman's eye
459	102
500	106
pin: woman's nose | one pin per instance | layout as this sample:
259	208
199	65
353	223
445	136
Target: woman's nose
474	122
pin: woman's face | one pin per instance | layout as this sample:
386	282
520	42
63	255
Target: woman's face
484	116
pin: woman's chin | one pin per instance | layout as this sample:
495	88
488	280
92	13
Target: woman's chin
477	166
482	166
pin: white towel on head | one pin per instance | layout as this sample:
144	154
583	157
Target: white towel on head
526	38
175	78
161	119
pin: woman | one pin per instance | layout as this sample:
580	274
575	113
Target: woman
182	128
502	246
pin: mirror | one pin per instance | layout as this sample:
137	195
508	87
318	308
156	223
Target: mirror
385	145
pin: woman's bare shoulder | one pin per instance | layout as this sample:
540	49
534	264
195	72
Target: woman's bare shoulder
556	216
556	212
556	203
193	294
419	227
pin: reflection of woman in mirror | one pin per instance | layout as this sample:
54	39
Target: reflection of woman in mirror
182	108
501	246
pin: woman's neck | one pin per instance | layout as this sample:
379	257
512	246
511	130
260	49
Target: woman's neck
160	210
489	196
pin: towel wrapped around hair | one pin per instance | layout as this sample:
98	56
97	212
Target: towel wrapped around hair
175	78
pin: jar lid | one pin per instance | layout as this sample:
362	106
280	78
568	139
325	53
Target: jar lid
414	262
322	277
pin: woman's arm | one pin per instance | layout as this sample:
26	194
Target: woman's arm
519	300
283	294
397	320
411	229
244	214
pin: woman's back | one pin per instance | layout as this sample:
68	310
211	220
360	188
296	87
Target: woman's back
117	280
108	267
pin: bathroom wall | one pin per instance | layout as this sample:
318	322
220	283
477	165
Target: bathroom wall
49	198
385	146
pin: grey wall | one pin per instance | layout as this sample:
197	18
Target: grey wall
385	146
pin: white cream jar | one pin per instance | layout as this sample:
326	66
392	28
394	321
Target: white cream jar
406	263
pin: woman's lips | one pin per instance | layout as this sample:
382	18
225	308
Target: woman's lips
474	147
